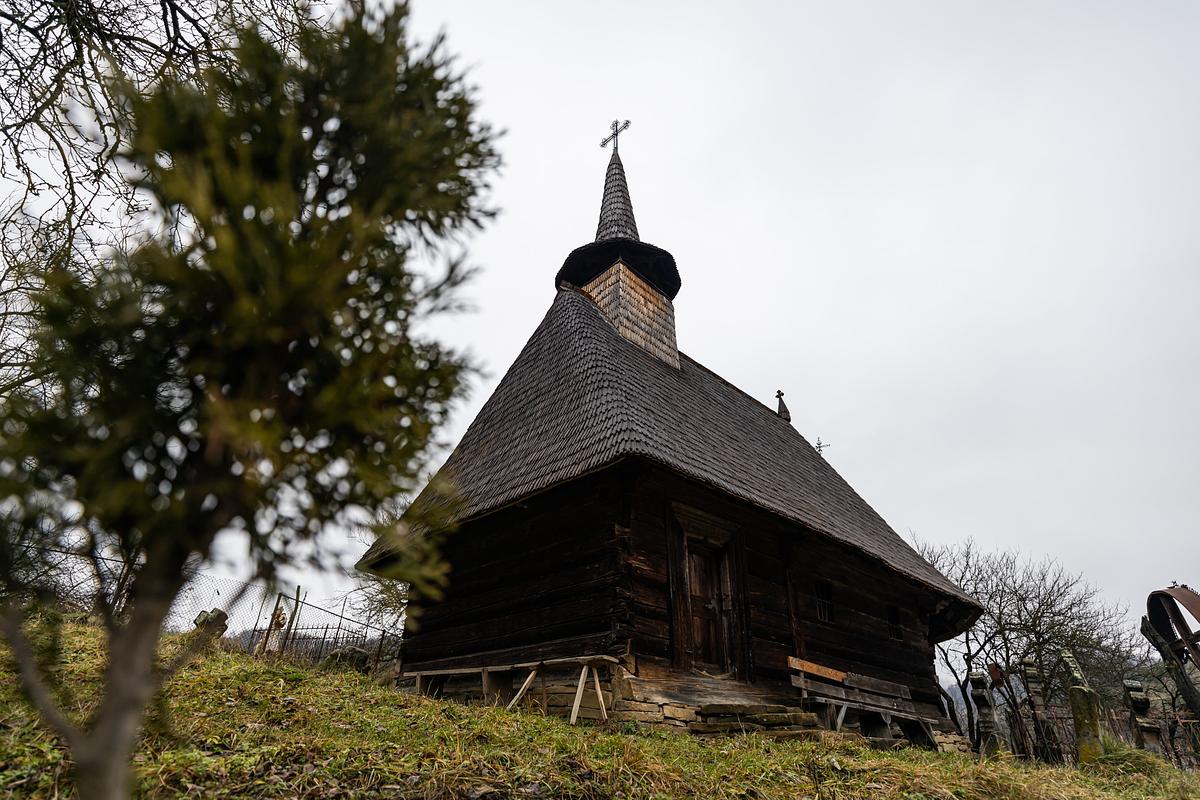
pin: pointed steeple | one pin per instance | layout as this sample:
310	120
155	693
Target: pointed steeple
616	209
617	239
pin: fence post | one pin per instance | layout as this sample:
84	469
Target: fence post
321	646
257	617
337	637
287	637
270	624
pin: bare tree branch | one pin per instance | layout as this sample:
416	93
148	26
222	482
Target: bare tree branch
31	677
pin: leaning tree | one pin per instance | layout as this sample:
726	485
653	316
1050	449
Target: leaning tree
258	363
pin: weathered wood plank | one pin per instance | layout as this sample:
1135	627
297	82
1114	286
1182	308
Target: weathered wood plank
801	665
877	686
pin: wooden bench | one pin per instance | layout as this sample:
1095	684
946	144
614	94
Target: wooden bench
841	690
427	679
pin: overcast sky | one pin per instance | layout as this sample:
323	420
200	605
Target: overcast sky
960	236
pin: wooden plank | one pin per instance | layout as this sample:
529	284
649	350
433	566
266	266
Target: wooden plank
847	694
878	709
579	694
524	688
549	662
816	687
877	686
800	665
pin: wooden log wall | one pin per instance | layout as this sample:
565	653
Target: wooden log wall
534	581
782	564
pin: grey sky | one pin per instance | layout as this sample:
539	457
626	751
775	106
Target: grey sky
960	236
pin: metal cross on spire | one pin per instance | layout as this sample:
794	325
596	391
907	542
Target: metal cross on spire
618	128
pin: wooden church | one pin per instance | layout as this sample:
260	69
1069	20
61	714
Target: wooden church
639	538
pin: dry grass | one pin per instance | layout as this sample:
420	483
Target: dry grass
231	726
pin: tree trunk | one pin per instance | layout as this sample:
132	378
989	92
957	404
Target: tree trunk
972	732
104	753
951	709
102	769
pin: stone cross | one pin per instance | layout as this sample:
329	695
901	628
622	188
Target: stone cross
1046	743
990	742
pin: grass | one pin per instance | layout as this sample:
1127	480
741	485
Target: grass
233	726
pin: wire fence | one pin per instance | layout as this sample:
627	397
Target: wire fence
265	622
258	618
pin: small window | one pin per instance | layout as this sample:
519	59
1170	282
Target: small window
824	601
893	618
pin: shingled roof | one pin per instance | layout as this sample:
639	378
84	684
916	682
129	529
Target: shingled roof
580	397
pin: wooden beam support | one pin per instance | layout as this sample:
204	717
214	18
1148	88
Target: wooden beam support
579	693
599	694
524	688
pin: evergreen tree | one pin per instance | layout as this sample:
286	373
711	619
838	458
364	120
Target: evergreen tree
257	364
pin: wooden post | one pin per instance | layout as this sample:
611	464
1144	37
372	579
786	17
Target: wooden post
337	637
321	646
1146	733
378	651
579	693
257	617
287	636
270	623
599	694
497	685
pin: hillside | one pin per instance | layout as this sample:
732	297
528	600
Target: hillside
232	726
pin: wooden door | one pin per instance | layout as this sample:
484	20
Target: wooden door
708	585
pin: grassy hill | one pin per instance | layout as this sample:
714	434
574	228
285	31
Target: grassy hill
231	726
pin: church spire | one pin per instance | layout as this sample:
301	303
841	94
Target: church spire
633	283
616	209
617	238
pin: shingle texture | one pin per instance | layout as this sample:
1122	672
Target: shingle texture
616	209
580	396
